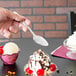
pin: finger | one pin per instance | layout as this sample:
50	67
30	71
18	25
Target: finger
22	27
3	14
27	22
6	33
1	31
13	29
16	17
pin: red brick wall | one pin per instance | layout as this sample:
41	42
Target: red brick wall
48	17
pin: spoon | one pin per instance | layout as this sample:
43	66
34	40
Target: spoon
38	39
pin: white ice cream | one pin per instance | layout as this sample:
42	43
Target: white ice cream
10	48
71	41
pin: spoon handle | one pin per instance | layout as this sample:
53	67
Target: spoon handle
26	25
29	29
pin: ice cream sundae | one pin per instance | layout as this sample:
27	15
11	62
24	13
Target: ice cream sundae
70	42
9	53
39	64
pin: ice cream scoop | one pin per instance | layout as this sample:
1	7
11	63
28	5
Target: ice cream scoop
10	48
10	53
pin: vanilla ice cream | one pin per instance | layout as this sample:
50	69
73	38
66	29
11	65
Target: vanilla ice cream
71	41
10	48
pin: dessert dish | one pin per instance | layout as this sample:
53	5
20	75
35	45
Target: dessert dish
9	53
39	64
70	42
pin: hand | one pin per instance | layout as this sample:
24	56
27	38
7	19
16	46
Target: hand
11	22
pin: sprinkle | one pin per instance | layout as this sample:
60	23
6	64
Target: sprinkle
70	72
66	72
6	75
9	71
58	71
14	73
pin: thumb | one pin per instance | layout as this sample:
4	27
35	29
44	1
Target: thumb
16	17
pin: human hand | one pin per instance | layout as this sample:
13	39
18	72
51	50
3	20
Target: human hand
11	23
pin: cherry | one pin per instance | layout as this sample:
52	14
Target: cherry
40	72
1	46
29	71
52	67
1	50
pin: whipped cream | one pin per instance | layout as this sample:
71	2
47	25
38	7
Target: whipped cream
39	60
10	48
70	42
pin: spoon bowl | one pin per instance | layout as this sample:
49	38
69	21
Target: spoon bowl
40	40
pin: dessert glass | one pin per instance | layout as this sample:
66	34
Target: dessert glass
9	59
72	51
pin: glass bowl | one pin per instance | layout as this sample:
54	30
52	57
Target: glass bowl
72	51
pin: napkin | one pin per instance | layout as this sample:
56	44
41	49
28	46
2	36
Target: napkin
61	52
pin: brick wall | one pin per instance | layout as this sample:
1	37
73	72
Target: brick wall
48	17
